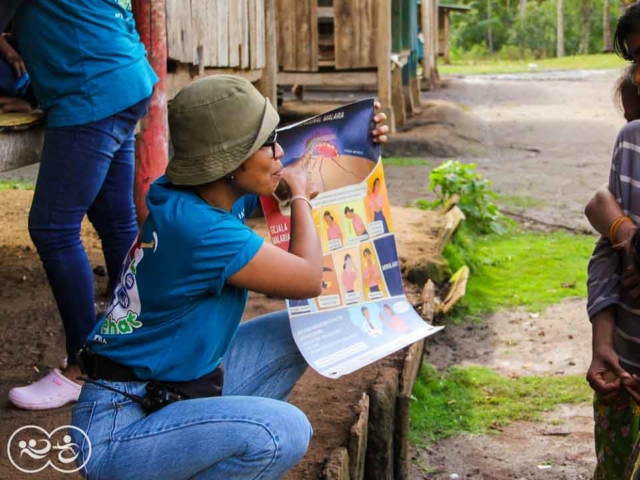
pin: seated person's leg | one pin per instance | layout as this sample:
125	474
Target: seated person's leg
263	359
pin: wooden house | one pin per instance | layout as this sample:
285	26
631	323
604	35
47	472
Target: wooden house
352	43
444	10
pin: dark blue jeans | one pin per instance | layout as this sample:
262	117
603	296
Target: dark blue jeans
85	169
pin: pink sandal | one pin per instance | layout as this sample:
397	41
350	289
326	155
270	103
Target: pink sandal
52	391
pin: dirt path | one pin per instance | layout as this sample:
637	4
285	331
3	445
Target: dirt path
517	343
550	140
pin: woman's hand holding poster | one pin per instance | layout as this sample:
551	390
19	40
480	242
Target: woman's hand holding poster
362	314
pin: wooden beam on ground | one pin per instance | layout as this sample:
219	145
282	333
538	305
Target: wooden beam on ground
337	465
457	290
382	414
383	60
358	440
410	369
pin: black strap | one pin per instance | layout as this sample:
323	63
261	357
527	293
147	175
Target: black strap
98	367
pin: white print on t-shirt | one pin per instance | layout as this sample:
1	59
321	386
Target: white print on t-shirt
124	310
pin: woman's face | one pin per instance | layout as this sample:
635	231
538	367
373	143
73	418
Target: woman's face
327	219
388	311
376	186
261	172
349	215
367	257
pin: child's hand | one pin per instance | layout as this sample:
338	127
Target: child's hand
606	376
631	281
17	64
632	385
380	132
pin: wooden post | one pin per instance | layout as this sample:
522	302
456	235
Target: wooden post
152	143
397	95
383	59
436	27
447	47
268	82
428	25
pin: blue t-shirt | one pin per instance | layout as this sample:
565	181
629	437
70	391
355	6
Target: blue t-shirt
173	314
84	57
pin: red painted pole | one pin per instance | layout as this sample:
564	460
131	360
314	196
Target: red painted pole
152	143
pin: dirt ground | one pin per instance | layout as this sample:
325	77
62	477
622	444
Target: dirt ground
549	140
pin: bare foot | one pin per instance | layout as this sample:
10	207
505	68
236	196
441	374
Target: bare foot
72	372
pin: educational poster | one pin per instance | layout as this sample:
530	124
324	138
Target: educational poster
362	313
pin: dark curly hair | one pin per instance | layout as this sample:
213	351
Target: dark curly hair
628	24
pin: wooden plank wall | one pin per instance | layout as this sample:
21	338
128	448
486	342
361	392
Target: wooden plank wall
297	35
217	34
355	31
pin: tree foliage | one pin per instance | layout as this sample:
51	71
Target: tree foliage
531	36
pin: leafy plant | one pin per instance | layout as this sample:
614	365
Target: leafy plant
455	178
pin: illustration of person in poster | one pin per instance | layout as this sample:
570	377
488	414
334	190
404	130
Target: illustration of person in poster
349	277
368	326
356	221
330	296
376	203
371	275
334	232
391	320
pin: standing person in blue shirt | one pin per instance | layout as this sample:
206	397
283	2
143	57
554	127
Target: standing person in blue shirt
174	320
90	75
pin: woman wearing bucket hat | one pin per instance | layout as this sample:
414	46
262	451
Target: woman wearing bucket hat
174	321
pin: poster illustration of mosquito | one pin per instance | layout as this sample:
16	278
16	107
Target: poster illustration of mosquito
362	313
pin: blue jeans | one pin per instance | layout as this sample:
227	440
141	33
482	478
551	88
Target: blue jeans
85	169
250	432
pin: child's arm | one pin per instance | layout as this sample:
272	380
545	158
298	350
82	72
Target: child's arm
602	211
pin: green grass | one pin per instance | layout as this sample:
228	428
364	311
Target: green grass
477	400
16	185
532	270
406	162
580	62
519	201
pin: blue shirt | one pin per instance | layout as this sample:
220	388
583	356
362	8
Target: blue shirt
173	314
84	57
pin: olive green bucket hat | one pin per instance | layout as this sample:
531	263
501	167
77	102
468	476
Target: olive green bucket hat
215	124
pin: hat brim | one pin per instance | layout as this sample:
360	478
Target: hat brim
216	166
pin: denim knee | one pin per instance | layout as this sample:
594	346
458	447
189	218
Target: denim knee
48	238
295	433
